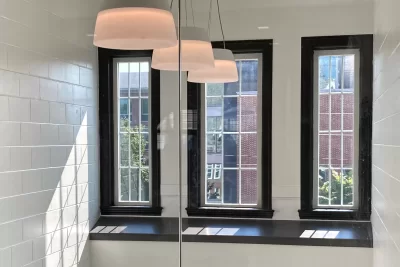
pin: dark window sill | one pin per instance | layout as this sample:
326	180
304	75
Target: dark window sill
129	210
272	232
231	213
335	215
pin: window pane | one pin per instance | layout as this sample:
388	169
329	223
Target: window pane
348	73
231	110
145	184
144	115
248	120
230	187
232	89
134	79
144	78
249	77
215	89
323	183
324	73
348	187
248	187
214	192
124	183
135	113
144	149
124	149
248	152
231	150
123	79
335	131
134	184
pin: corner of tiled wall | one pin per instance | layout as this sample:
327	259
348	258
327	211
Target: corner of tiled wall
386	133
49	193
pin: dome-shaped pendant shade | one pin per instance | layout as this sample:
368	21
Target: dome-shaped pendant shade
196	52
225	70
135	25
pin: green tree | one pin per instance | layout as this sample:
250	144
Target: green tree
137	144
347	177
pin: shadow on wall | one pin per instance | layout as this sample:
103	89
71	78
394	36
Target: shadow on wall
52	207
66	224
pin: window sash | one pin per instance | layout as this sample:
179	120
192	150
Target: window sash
355	131
204	179
117	132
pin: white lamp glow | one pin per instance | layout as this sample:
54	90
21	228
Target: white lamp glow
225	70
135	25
196	52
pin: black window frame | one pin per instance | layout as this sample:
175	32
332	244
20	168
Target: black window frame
106	132
194	106
308	45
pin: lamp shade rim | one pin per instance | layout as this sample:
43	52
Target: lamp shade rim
156	4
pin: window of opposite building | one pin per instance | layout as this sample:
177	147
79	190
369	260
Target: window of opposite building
232	143
336	127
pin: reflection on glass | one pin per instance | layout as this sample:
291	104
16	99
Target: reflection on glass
231	139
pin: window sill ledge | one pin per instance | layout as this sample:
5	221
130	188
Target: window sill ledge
130	210
268	232
341	215
232	213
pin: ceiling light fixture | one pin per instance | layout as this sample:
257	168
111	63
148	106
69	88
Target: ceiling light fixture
196	52
135	25
263	27
225	69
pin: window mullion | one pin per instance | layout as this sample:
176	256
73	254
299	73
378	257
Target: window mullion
129	132
240	134
329	136
341	134
140	141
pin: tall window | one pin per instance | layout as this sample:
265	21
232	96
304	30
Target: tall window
336	127
232	116
229	147
336	114
134	179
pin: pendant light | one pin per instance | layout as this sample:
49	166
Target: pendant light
225	69
196	51
135	25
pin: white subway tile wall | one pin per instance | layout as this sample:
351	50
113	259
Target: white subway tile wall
386	133
49	188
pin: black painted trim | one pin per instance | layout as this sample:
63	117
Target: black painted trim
106	102
365	45
265	47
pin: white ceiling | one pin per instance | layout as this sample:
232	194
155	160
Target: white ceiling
203	5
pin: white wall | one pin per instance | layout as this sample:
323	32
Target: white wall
286	27
123	254
386	133
48	133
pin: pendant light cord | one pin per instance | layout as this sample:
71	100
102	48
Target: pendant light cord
186	20
209	20
220	22
191	5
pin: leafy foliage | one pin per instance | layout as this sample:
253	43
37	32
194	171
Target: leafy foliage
336	195
137	157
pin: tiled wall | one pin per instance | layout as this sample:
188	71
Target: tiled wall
48	132
386	135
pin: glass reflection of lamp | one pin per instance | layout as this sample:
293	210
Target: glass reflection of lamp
224	70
